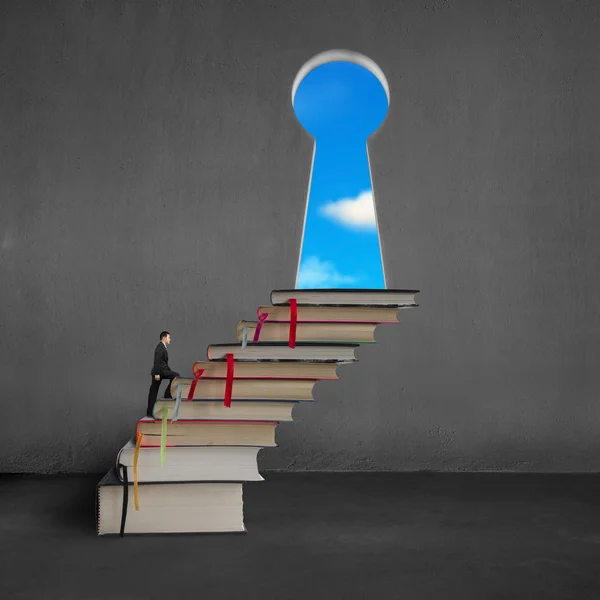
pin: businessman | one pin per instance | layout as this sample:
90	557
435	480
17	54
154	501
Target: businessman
160	371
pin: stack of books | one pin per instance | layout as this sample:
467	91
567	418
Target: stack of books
184	469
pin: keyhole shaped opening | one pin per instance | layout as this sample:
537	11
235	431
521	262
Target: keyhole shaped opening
340	98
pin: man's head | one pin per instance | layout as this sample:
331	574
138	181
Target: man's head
165	337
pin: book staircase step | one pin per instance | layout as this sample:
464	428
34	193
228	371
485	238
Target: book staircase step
184	473
247	410
172	507
247	389
312	352
267	370
193	463
331	314
346	297
200	432
357	333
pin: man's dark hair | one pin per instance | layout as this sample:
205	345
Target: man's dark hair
164	334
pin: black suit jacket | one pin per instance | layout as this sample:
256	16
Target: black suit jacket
161	360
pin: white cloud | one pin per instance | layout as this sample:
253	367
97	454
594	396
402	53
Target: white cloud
315	273
356	213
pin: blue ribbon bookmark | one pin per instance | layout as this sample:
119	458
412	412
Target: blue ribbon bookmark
177	402
163	437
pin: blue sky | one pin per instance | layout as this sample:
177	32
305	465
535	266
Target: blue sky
340	104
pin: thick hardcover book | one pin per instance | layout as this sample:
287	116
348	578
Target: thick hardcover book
213	388
331	314
208	433
353	333
346	297
240	410
192	463
268	370
167	507
280	351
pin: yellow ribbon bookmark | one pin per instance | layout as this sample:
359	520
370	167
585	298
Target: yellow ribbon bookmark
136	455
163	437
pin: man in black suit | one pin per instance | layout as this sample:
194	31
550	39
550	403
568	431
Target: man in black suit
160	371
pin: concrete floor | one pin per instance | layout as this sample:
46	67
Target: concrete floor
411	536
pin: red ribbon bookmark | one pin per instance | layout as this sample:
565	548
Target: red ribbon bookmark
229	381
197	375
261	319
293	321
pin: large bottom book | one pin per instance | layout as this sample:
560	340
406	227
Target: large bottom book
169	507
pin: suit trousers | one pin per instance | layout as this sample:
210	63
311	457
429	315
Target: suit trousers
153	391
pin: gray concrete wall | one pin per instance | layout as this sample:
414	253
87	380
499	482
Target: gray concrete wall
153	175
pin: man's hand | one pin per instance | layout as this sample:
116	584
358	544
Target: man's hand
157	377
